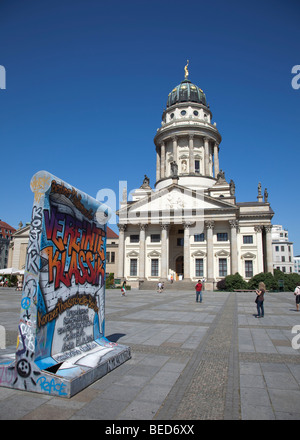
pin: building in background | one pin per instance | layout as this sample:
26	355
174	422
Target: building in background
297	264
18	247
191	225
283	255
6	233
112	240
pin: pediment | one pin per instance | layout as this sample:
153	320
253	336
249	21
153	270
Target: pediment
24	232
154	254
174	198
199	254
132	254
248	255
222	253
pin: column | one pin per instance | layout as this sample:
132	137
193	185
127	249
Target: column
269	251
206	156
162	160
121	251
186	251
209	224
233	246
260	257
174	139
164	251
157	165
191	154
142	251
216	159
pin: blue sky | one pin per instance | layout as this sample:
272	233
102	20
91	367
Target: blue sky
87	82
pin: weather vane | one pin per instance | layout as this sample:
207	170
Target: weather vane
186	70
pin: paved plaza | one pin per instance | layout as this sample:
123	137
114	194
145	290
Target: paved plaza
190	361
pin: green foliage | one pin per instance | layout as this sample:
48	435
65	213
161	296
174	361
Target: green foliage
221	285
109	282
235	281
278	281
232	282
266	278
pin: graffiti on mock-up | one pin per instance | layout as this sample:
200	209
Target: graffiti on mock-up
61	306
76	249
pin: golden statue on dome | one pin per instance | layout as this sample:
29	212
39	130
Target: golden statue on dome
186	74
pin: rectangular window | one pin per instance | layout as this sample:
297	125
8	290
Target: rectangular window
277	248
180	241
199	237
248	239
197	166
107	257
248	268
112	257
154	267
199	267
222	267
155	238
133	267
134	238
222	236
282	248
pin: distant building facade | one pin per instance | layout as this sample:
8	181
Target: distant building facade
297	264
112	240
6	233
283	254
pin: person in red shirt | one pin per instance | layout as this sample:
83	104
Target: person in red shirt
198	288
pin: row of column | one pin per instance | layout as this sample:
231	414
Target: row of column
161	157
209	224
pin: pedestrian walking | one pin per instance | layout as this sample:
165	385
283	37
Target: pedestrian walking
159	287
123	289
297	295
260	303
198	289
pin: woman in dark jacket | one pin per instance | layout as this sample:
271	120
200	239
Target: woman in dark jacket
260	303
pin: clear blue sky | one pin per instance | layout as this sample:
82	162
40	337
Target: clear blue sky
87	82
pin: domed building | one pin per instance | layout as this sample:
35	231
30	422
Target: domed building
190	226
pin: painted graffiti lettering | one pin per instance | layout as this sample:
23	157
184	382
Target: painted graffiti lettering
74	324
83	259
73	196
76	351
61	306
33	244
50	386
7	375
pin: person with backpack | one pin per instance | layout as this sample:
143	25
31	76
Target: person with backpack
297	294
198	288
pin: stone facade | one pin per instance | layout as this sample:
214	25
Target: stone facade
191	226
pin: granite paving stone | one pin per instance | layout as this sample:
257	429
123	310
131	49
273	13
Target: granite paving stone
208	361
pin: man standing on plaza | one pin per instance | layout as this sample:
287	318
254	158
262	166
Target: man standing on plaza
198	288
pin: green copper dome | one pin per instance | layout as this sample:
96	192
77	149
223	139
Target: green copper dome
186	92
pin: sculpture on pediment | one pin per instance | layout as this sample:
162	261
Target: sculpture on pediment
221	177
232	187
146	182
266	195
174	169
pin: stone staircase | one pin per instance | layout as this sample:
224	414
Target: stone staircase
176	285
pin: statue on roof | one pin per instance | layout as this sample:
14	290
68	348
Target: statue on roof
186	74
146	182
174	169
